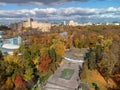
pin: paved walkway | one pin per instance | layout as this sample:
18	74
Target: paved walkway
71	54
57	83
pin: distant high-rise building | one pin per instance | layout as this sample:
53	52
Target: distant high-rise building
30	20
64	23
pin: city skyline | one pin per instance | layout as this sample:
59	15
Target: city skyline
52	11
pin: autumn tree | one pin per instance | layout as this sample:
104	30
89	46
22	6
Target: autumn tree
59	48
93	39
68	44
19	82
54	63
92	60
9	83
44	65
76	42
106	65
98	51
1	56
28	76
107	44
52	54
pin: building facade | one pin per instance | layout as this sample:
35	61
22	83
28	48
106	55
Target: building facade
44	27
73	23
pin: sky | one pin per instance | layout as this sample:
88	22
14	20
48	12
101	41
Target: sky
57	11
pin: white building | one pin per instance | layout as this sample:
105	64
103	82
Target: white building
1	34
44	27
64	23
8	49
7	46
73	23
116	24
89	23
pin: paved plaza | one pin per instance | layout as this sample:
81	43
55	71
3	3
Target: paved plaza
56	82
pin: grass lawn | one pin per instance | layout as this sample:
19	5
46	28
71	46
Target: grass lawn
67	74
95	77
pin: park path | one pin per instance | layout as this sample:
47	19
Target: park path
56	83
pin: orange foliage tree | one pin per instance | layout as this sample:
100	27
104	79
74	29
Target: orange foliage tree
117	77
19	81
36	40
44	63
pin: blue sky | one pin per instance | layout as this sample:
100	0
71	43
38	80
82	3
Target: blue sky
60	10
87	4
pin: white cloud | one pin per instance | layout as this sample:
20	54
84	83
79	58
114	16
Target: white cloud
60	14
112	9
2	4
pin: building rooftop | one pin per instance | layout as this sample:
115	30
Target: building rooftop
10	46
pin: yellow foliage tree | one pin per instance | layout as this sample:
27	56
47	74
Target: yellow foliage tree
76	42
35	61
11	59
59	48
9	84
